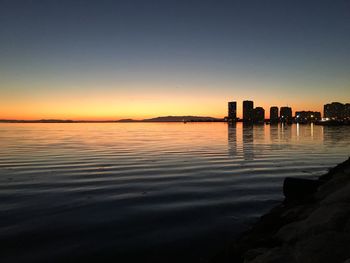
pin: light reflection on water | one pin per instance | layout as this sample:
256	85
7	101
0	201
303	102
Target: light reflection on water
152	189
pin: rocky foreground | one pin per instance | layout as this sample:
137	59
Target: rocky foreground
311	226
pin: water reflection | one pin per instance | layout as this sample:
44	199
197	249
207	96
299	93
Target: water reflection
274	133
308	132
241	140
298	130
286	131
232	139
336	135
248	141
259	134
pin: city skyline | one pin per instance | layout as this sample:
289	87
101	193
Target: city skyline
131	59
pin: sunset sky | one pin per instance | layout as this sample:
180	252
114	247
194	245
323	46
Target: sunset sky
138	59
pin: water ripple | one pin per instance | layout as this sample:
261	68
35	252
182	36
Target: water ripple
123	189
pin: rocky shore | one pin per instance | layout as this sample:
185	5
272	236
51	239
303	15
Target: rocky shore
310	227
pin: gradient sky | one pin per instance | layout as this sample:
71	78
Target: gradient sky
136	59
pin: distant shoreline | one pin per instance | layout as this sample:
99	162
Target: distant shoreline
141	121
157	119
173	119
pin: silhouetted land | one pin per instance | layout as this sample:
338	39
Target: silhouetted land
163	119
183	118
313	227
157	119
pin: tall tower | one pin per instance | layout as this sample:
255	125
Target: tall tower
248	107
259	115
232	111
327	111
286	114
274	114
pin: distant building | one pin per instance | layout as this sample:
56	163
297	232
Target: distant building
347	111
232	111
248	107
334	111
317	116
327	111
274	114
307	116
286	114
259	115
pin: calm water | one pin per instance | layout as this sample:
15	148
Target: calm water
162	192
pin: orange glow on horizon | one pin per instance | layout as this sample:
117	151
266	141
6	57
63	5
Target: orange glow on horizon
111	108
101	111
115	104
111	100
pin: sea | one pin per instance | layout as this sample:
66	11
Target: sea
149	192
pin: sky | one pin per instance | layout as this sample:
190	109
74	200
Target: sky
102	60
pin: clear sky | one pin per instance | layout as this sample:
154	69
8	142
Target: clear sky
136	59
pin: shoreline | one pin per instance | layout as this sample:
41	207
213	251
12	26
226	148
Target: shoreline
311	228
266	122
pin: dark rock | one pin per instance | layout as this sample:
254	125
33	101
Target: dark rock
299	188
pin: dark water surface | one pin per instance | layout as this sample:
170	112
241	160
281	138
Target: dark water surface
158	192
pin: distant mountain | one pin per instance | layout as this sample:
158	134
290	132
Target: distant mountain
182	119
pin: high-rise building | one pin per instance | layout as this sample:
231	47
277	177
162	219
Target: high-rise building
327	110
248	107
232	111
274	114
334	111
339	110
286	114
347	111
259	115
307	116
